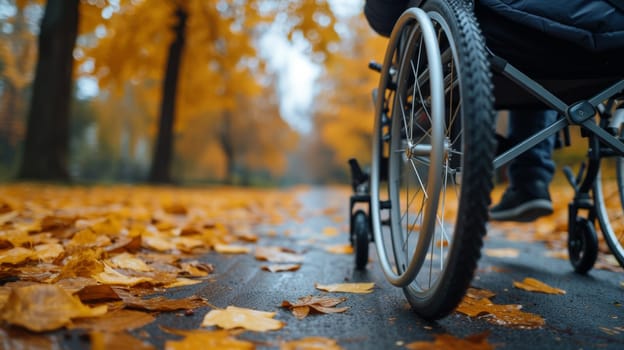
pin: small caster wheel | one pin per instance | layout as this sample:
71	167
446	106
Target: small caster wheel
582	245
360	233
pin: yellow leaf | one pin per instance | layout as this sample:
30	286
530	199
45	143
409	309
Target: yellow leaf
533	285
129	261
231	249
310	343
280	267
199	339
502	252
43	307
277	255
112	276
361	288
104	340
236	317
447	341
48	252
181	282
330	231
340	249
15	255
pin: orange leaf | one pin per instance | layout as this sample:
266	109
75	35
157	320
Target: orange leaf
231	249
310	343
118	340
43	307
360	288
236	317
447	341
200	339
504	315
533	285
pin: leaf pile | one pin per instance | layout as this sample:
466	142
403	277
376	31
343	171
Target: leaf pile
84	257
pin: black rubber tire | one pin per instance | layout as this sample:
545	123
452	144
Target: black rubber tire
478	146
610	205
361	239
582	246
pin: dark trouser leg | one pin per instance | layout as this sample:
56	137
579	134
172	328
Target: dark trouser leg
535	167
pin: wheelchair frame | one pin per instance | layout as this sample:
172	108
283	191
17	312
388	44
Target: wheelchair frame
603	139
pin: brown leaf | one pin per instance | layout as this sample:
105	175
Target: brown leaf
115	321
280	267
15	338
324	305
97	293
196	268
163	304
447	341
45	307
310	343
361	288
237	317
277	255
533	285
200	339
118	340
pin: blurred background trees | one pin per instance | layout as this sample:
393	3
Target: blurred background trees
237	92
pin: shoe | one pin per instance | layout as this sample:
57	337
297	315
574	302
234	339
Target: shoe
518	205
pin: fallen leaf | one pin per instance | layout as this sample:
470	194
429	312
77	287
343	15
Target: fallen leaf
114	277
340	249
237	317
115	321
48	252
128	261
15	338
196	268
200	339
533	285
478	293
361	288
330	231
105	340
305	305
310	343
163	304
504	315
447	341
97	293
231	249
15	256
280	267
502	252
277	255
182	282
43	307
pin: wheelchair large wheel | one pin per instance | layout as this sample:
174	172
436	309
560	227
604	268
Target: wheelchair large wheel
440	157
609	202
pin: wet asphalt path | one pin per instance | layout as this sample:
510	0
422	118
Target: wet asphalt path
589	316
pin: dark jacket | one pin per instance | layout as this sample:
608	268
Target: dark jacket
597	25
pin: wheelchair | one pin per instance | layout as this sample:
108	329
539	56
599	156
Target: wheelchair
434	154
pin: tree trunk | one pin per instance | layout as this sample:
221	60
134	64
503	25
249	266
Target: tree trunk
160	171
227	145
46	145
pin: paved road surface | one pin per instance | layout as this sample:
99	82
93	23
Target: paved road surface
589	316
